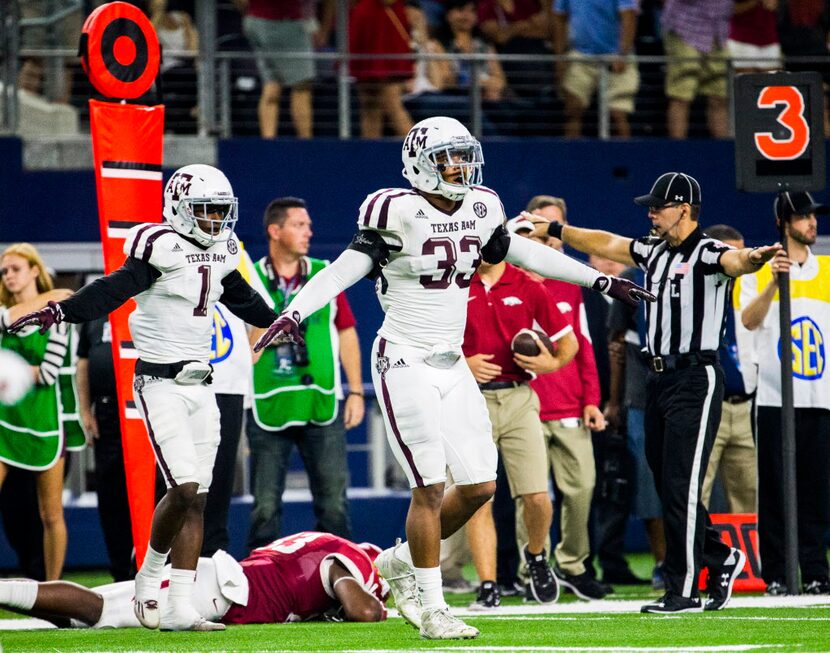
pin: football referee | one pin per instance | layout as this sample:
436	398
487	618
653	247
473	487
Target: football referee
690	274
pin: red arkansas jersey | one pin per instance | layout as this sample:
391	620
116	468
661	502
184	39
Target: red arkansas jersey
289	579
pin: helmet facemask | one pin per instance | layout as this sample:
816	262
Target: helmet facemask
198	211
462	153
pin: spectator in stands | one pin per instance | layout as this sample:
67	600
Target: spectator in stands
98	405
297	388
232	367
586	29
451	79
431	75
380	27
803	27
459	34
34	74
570	401
503	301
176	32
694	37
273	28
626	328
733	455
31	431
753	36
518	27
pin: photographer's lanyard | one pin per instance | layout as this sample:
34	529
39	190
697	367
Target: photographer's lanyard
288	287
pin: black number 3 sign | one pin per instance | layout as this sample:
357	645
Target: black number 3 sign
779	143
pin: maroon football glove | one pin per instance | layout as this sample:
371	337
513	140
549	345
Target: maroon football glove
286	328
45	317
622	289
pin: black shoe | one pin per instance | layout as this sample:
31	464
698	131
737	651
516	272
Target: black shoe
817	586
488	598
776	588
722	578
542	585
625	577
583	585
671	603
513	589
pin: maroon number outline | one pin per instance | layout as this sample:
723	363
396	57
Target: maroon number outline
201	308
462	279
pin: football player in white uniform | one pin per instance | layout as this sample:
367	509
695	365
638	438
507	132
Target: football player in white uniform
422	245
177	271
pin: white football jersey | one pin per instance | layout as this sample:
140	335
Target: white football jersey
424	287
174	317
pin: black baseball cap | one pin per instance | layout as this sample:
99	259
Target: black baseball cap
669	188
788	204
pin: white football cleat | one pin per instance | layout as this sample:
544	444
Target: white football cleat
440	624
401	579
146	601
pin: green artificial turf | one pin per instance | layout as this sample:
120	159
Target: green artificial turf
778	630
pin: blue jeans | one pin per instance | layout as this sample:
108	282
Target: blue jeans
323	450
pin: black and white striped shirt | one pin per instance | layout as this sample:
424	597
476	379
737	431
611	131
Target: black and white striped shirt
692	292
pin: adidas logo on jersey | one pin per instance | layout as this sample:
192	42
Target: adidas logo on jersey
400	363
421	214
176	247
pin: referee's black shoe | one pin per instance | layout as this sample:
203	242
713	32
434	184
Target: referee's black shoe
671	603
722	578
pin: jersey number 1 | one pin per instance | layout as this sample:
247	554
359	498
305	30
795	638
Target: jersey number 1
201	307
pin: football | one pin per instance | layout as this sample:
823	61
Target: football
526	344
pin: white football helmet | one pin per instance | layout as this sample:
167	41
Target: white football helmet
434	143
192	195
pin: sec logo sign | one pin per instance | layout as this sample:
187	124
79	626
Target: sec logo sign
480	209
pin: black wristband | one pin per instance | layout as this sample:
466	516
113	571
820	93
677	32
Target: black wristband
555	229
354	392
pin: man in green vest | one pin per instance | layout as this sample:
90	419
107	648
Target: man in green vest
297	389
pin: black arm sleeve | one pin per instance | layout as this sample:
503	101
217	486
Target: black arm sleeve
496	248
374	246
245	302
104	295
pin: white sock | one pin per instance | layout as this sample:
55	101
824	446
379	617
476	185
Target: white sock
403	553
180	593
430	588
20	594
153	563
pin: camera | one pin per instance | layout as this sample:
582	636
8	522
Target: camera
289	355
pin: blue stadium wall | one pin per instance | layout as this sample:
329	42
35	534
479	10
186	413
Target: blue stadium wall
598	180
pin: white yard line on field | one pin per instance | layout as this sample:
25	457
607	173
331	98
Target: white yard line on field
607	606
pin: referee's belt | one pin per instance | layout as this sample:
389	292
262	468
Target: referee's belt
165	370
500	385
681	361
737	399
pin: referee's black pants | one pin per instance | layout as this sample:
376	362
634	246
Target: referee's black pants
683	409
812	460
